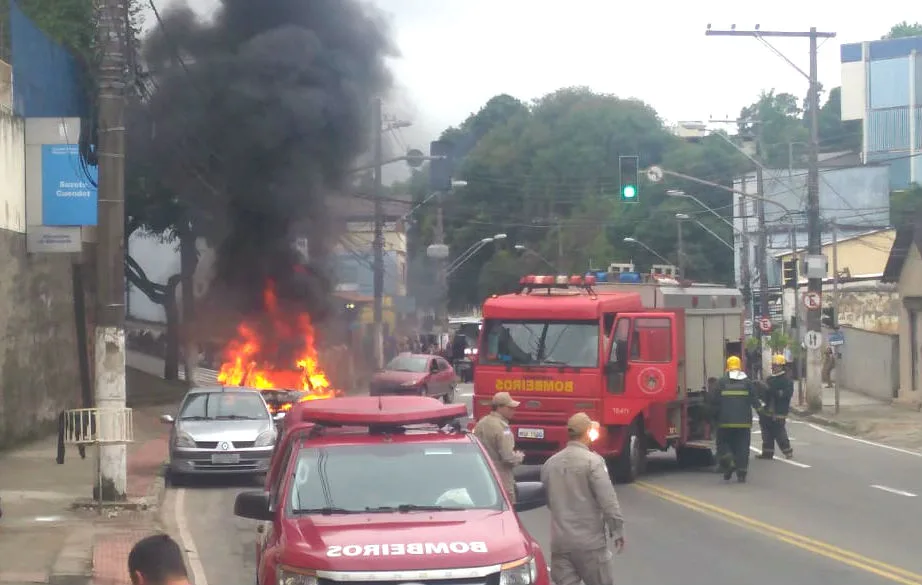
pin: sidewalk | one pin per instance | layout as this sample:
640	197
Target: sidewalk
868	418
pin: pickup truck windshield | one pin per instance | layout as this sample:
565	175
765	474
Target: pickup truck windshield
392	477
541	343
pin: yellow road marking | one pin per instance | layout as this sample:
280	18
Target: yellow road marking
889	572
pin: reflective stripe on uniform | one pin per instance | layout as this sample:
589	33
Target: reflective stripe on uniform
734	393
736	425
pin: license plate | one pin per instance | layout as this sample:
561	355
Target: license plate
531	433
225	458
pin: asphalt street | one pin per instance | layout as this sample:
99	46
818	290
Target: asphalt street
844	512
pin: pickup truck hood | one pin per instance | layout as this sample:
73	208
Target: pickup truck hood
404	542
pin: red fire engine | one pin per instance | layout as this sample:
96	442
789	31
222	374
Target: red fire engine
636	355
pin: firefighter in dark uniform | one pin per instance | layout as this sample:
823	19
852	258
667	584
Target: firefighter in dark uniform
733	401
776	395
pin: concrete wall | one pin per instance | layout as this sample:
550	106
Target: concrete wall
867	305
910	287
39	373
870	363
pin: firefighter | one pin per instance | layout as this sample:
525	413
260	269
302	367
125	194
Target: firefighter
733	401
496	436
586	520
776	399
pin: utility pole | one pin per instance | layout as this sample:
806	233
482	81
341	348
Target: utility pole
795	317
439	236
745	276
762	249
377	332
814	227
112	31
681	247
835	299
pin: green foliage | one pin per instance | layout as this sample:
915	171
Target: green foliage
778	341
69	22
903	29
546	175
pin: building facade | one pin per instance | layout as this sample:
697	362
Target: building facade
856	198
882	87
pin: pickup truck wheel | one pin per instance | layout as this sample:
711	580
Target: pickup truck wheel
632	461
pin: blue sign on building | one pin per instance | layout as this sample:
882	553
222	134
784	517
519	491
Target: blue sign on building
69	194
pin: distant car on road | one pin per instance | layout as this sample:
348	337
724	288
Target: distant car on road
221	430
416	374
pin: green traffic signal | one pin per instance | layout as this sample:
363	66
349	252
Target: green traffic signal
629	192
629	170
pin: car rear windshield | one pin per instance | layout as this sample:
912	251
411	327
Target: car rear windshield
224	405
541	343
392	477
408	363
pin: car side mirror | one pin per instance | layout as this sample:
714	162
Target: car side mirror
167	419
530	495
253	505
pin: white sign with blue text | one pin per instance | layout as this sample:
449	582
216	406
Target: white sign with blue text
69	193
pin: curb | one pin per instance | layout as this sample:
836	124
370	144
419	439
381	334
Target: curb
819	419
74	564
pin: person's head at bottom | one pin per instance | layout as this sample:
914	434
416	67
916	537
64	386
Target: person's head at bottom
582	429
157	560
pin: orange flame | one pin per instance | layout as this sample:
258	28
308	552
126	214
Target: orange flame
247	361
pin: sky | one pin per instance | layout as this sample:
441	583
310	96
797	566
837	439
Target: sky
457	54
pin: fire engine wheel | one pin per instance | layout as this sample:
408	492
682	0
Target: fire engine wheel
632	461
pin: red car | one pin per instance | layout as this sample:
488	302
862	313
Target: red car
390	487
418	374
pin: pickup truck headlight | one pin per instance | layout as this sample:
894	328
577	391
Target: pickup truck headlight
289	577
265	439
183	440
520	572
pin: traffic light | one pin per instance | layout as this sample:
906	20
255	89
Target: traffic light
789	268
629	167
441	167
829	317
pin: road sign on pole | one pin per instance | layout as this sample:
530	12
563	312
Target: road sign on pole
836	338
812	301
747	327
765	324
813	339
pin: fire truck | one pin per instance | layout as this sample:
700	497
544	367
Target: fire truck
636	354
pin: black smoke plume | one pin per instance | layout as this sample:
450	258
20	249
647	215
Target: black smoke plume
256	115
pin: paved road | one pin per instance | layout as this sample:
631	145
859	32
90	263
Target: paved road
818	519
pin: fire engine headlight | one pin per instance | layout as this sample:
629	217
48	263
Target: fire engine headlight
289	577
183	440
520	572
266	439
468	352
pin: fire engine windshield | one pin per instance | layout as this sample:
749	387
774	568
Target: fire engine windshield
541	343
392	477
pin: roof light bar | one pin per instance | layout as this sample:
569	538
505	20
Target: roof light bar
377	411
557	281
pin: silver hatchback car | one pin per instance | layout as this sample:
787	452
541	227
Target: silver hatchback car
219	430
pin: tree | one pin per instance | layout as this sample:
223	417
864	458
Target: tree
836	134
546	175
903	29
782	126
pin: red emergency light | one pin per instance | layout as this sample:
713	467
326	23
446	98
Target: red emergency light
556	281
380	411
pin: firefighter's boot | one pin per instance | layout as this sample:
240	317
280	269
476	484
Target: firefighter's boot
741	477
788	453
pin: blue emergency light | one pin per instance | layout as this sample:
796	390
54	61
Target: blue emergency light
630	278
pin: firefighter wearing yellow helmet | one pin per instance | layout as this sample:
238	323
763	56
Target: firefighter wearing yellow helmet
733	399
776	399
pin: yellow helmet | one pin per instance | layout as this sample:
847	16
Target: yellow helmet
778	360
734	363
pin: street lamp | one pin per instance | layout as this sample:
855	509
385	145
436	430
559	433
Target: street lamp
684	217
470	252
527	250
646	247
